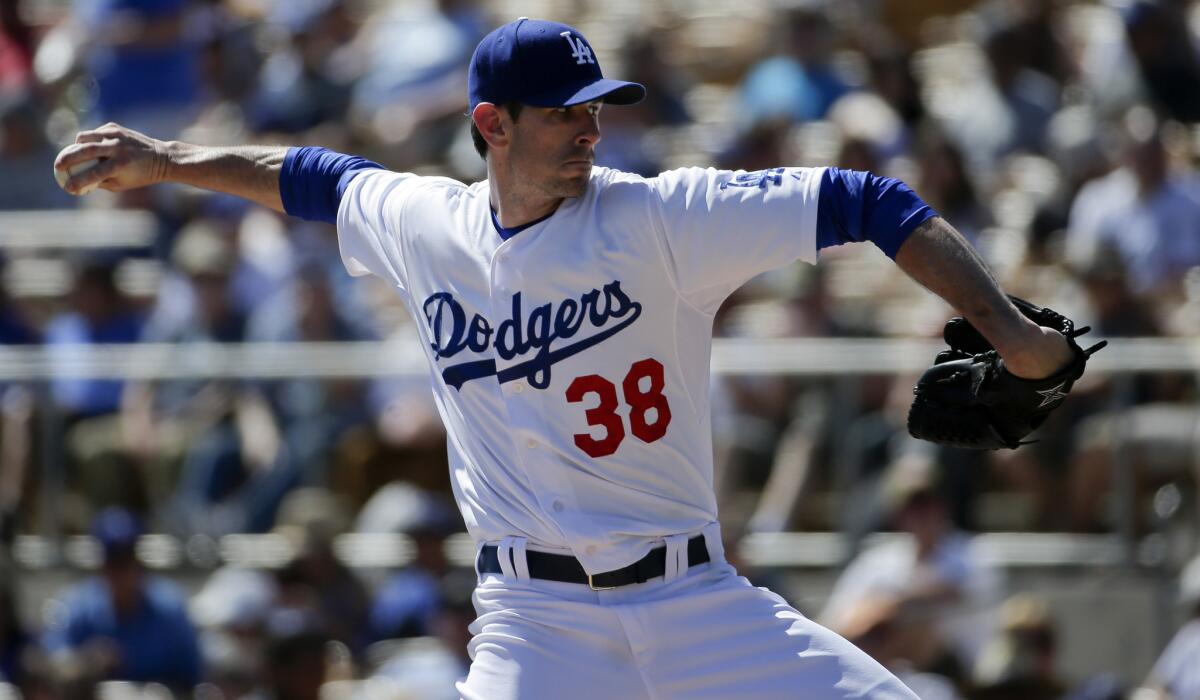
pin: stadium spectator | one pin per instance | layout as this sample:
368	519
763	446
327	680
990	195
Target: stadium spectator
145	63
948	186
16	423
628	134
310	415
411	93
797	81
1001	107
892	78
16	49
1029	97
296	665
428	667
232	611
386	79
1144	210
1165	53
880	628
945	593
1020	662
125	624
1037	30
408	602
230	478
24	149
1176	675
317	582
299	85
17	643
99	312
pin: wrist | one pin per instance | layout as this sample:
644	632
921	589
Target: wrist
167	158
1044	354
1017	338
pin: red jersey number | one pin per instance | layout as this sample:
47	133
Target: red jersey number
649	414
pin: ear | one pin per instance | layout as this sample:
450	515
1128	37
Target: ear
491	122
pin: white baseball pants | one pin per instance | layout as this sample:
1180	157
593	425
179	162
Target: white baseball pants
699	633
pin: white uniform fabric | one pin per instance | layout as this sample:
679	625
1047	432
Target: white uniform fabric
704	633
570	364
637	267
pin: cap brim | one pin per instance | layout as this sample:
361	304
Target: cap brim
617	92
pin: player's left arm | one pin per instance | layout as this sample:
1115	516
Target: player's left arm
939	258
860	206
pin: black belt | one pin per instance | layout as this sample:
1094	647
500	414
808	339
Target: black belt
567	569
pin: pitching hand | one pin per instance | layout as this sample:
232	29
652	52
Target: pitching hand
126	160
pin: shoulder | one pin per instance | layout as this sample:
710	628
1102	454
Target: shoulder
376	183
609	183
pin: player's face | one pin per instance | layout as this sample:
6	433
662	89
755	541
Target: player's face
553	149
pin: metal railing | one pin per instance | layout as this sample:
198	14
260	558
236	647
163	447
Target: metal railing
846	359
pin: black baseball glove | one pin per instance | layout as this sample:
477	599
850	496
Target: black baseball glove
969	399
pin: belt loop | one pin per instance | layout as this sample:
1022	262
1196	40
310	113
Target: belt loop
504	554
676	564
520	563
478	557
716	547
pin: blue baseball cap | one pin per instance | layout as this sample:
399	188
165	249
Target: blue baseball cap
117	530
542	64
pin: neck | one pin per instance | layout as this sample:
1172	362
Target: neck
515	202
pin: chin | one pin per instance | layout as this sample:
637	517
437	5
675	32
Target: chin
574	186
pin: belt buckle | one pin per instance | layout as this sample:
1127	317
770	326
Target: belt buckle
594	587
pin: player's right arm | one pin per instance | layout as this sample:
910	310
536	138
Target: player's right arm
129	160
305	182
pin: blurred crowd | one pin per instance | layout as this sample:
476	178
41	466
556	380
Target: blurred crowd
1060	136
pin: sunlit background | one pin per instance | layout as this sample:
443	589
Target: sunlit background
207	426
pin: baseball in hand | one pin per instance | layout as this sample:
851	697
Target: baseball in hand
62	175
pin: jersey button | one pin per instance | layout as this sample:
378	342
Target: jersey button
532	444
558	507
518	388
591	549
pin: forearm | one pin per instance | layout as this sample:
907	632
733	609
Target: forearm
941	260
250	172
305	182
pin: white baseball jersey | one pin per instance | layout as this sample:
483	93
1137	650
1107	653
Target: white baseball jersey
570	362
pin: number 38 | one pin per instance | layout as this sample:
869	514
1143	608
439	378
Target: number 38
640	401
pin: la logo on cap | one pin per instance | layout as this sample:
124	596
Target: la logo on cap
579	50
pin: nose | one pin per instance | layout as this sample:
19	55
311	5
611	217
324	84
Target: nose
589	133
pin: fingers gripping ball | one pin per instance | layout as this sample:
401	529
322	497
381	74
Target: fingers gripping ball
61	175
969	399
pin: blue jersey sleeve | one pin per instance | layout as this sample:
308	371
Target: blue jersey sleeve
313	180
859	206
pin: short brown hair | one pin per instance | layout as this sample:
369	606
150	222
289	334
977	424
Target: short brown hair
481	146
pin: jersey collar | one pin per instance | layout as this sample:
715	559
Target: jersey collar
507	233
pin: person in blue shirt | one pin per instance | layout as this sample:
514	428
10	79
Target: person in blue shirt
99	313
123	624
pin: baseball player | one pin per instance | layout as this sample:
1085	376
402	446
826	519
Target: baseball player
566	311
